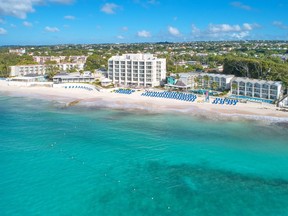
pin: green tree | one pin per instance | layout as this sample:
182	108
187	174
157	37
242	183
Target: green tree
207	81
214	85
51	71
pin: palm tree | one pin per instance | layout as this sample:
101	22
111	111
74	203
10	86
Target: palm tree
207	79
234	86
214	85
197	82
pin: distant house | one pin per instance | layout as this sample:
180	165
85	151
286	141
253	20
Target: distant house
20	51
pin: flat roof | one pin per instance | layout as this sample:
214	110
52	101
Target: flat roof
245	79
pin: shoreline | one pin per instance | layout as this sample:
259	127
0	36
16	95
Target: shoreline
135	101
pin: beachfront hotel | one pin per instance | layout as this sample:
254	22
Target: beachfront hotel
143	70
222	81
256	88
21	70
86	77
196	80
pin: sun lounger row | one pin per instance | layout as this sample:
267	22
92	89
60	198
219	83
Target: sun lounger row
171	95
124	91
226	101
80	87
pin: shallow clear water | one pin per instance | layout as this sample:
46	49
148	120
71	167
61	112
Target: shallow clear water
92	161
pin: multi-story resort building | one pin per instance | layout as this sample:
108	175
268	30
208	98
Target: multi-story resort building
86	77
60	59
196	80
21	70
143	70
215	81
256	88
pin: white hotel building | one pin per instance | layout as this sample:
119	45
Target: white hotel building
21	70
256	88
143	70
223	81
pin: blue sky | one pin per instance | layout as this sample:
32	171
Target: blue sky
40	22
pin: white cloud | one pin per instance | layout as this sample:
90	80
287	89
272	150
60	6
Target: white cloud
109	8
173	31
17	8
223	28
125	28
2	21
240	35
247	26
224	31
280	25
12	25
69	17
2	31
195	30
51	29
20	8
241	5
144	34
120	37
27	24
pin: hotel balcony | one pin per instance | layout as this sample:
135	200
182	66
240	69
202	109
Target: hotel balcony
249	94
241	92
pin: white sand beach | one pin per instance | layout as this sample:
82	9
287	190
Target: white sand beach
135	101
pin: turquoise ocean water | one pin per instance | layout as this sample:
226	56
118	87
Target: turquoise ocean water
96	161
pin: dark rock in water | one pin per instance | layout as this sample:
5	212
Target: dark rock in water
73	103
282	124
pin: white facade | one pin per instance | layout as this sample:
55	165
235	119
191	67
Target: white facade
60	59
21	70
223	81
137	70
256	88
20	51
74	78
